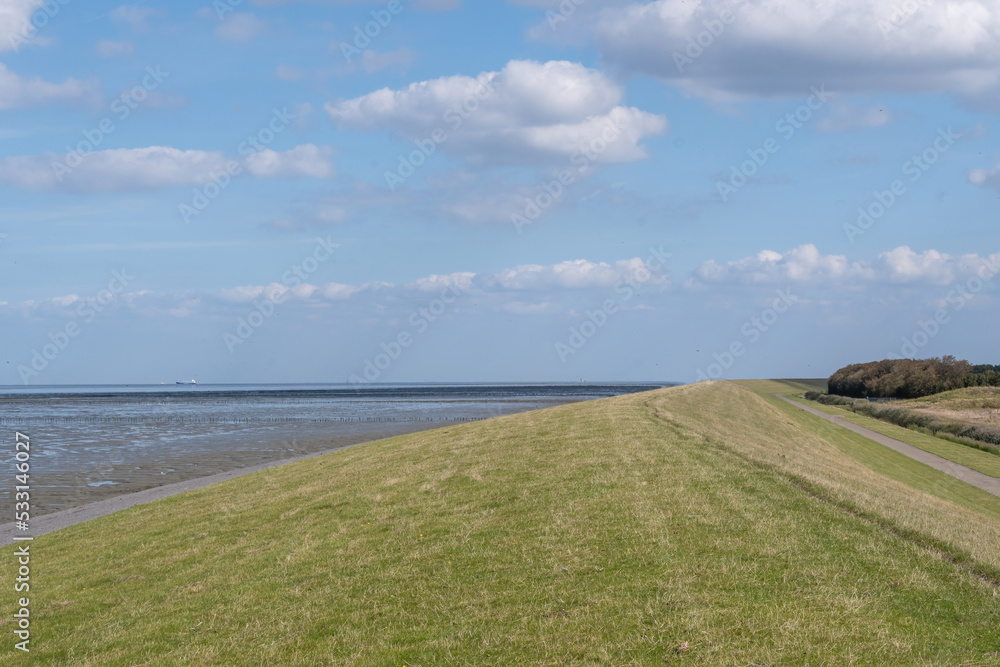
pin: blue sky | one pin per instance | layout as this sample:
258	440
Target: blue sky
501	191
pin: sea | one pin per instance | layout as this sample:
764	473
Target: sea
91	442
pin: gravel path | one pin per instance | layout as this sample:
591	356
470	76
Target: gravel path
967	475
58	520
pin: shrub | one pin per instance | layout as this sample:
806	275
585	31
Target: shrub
906	378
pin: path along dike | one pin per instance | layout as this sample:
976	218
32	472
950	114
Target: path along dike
967	475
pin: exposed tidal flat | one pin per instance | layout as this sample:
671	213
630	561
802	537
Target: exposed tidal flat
93	443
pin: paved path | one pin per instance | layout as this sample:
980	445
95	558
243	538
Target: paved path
58	520
968	475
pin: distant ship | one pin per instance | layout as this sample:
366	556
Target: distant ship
188	382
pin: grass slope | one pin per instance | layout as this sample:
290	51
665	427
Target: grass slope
970	398
691	524
986	462
888	462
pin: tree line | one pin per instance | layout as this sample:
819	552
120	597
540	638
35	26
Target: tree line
910	378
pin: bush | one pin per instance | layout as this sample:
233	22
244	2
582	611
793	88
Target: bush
905	378
983	437
826	399
829	399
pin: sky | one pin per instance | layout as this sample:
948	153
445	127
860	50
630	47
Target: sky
251	191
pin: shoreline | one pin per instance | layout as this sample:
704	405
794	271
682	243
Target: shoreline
86	501
48	523
66	489
69	493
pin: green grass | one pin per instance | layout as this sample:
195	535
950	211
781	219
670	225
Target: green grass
890	462
966	417
961	399
784	387
986	462
702	524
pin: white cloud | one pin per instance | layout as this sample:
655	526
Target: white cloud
847	117
280	293
153	167
806	264
538	289
17	91
63	301
986	178
436	283
114	170
338	291
244	294
15	16
574	274
304	160
17	29
542	282
527	112
903	265
782	47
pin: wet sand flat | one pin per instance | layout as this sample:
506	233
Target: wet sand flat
62	490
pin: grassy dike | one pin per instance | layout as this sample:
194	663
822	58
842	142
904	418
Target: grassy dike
986	462
702	524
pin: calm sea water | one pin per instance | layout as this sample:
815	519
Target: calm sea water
91	441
